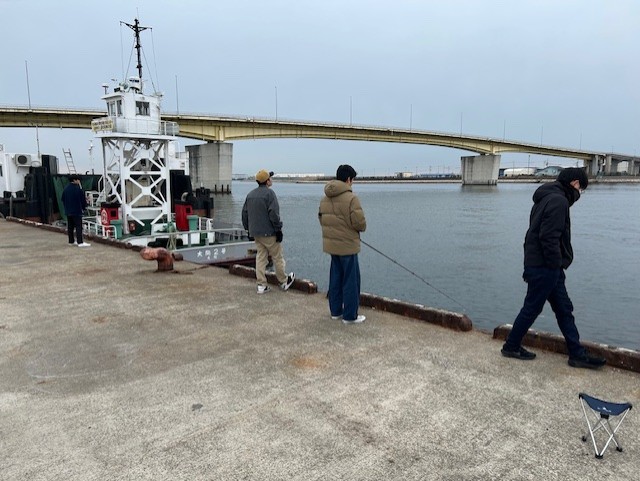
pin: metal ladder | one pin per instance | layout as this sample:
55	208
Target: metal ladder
69	159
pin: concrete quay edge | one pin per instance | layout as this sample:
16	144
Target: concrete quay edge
63	230
441	317
303	285
620	357
449	319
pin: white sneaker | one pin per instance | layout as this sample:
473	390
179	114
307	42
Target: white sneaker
287	284
84	244
262	289
336	318
357	320
74	243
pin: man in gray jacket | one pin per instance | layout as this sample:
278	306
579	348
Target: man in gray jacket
261	218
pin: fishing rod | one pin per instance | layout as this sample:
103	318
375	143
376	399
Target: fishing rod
412	273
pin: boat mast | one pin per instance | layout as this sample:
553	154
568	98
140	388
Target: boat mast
137	29
137	155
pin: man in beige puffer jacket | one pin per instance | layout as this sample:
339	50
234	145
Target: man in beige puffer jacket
342	219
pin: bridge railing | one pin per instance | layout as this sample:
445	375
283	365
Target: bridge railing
134	126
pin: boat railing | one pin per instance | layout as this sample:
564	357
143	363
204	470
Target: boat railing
206	233
214	224
96	228
134	126
93	198
203	235
204	224
192	238
230	235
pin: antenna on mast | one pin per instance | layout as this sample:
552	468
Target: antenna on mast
26	68
137	29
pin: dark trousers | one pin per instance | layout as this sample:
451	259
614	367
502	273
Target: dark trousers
546	284
74	223
344	286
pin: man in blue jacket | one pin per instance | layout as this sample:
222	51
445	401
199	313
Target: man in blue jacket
261	218
547	253
74	202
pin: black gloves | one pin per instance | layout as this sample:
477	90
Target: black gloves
279	236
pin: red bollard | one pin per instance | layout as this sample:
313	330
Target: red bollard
162	255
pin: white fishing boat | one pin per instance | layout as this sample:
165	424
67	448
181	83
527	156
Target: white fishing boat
146	197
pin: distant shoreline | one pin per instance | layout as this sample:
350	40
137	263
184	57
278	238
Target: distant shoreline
454	180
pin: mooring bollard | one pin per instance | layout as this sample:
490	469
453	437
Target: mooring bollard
160	254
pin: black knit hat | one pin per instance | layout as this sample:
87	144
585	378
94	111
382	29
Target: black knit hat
568	175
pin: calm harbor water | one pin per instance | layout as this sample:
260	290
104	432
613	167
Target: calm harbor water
467	242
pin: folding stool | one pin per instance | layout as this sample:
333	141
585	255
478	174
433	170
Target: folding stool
602	411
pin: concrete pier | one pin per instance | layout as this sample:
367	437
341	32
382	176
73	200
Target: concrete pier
111	370
480	169
210	166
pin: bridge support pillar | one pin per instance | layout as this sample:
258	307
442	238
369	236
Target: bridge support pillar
210	166
594	165
610	165
480	169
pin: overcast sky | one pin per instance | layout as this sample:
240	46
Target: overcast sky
559	72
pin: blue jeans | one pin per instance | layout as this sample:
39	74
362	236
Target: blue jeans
546	284
344	286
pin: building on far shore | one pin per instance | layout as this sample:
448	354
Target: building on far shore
298	176
517	171
550	171
404	175
308	175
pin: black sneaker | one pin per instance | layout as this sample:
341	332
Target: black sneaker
521	354
287	284
587	361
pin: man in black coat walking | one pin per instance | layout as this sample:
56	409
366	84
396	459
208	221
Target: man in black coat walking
547	253
74	202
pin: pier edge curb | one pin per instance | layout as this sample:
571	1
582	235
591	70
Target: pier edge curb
449	319
620	357
303	285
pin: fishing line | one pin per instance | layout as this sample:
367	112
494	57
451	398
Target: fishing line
412	273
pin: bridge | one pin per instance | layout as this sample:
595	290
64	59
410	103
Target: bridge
215	129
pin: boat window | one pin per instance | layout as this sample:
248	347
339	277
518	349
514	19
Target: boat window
119	107
110	109
142	108
0	170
